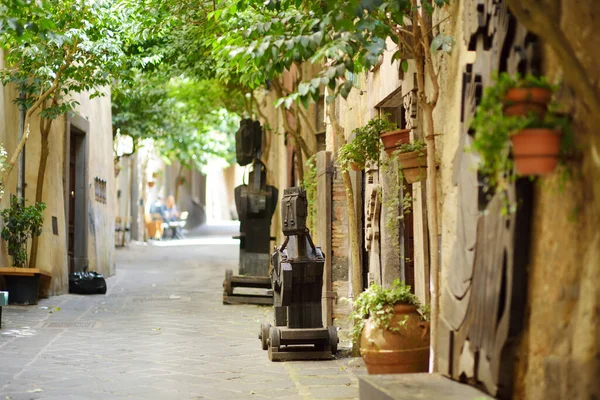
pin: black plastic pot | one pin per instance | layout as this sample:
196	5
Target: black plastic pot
22	290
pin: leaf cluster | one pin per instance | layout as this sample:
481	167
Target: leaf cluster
20	224
418	145
310	185
55	49
365	147
3	156
378	304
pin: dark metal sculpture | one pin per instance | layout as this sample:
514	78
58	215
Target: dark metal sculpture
297	281
255	203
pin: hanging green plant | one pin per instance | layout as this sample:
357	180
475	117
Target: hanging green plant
412	159
366	145
535	137
310	185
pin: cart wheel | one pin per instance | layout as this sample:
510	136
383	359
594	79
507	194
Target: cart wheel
265	329
227	288
333	339
274	338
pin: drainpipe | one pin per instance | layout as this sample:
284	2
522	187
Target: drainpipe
21	160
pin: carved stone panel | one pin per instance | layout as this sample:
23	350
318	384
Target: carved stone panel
482	305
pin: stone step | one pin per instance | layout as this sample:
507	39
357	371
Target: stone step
416	387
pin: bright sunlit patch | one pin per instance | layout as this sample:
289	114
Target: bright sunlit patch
205	241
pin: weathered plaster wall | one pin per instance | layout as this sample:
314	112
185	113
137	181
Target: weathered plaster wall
101	242
559	353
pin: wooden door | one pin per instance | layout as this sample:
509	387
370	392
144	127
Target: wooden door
71	212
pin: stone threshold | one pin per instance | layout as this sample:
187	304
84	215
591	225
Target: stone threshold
416	387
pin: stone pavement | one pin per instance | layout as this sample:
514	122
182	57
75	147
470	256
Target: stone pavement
161	332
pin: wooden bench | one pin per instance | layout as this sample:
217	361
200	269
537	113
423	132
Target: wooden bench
45	277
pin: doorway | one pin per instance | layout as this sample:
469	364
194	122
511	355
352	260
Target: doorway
76	194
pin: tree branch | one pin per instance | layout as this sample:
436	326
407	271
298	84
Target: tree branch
286	123
428	60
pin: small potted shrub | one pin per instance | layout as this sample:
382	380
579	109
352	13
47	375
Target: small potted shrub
21	224
365	147
412	159
392	329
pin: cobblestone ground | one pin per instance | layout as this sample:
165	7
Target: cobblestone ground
161	332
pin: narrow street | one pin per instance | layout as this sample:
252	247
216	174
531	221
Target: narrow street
161	332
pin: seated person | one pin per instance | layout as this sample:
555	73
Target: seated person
172	215
158	208
171	211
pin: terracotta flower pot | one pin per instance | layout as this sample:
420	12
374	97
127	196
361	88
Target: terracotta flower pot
355	167
536	151
413	165
391	140
523	101
405	351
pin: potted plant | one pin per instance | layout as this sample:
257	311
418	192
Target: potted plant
365	147
392	329
535	137
536	143
412	159
21	224
524	96
391	136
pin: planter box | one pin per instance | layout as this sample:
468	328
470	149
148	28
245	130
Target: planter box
414	166
392	140
26	285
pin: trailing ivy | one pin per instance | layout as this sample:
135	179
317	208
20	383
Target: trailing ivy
310	185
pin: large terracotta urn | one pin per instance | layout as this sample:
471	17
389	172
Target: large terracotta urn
404	351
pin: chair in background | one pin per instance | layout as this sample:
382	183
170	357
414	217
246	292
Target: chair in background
176	227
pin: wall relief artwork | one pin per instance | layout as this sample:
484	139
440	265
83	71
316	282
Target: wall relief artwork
483	296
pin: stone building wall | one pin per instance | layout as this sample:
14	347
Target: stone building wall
52	253
559	351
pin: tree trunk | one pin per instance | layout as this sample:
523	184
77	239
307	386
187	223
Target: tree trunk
432	220
39	190
177	183
299	167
